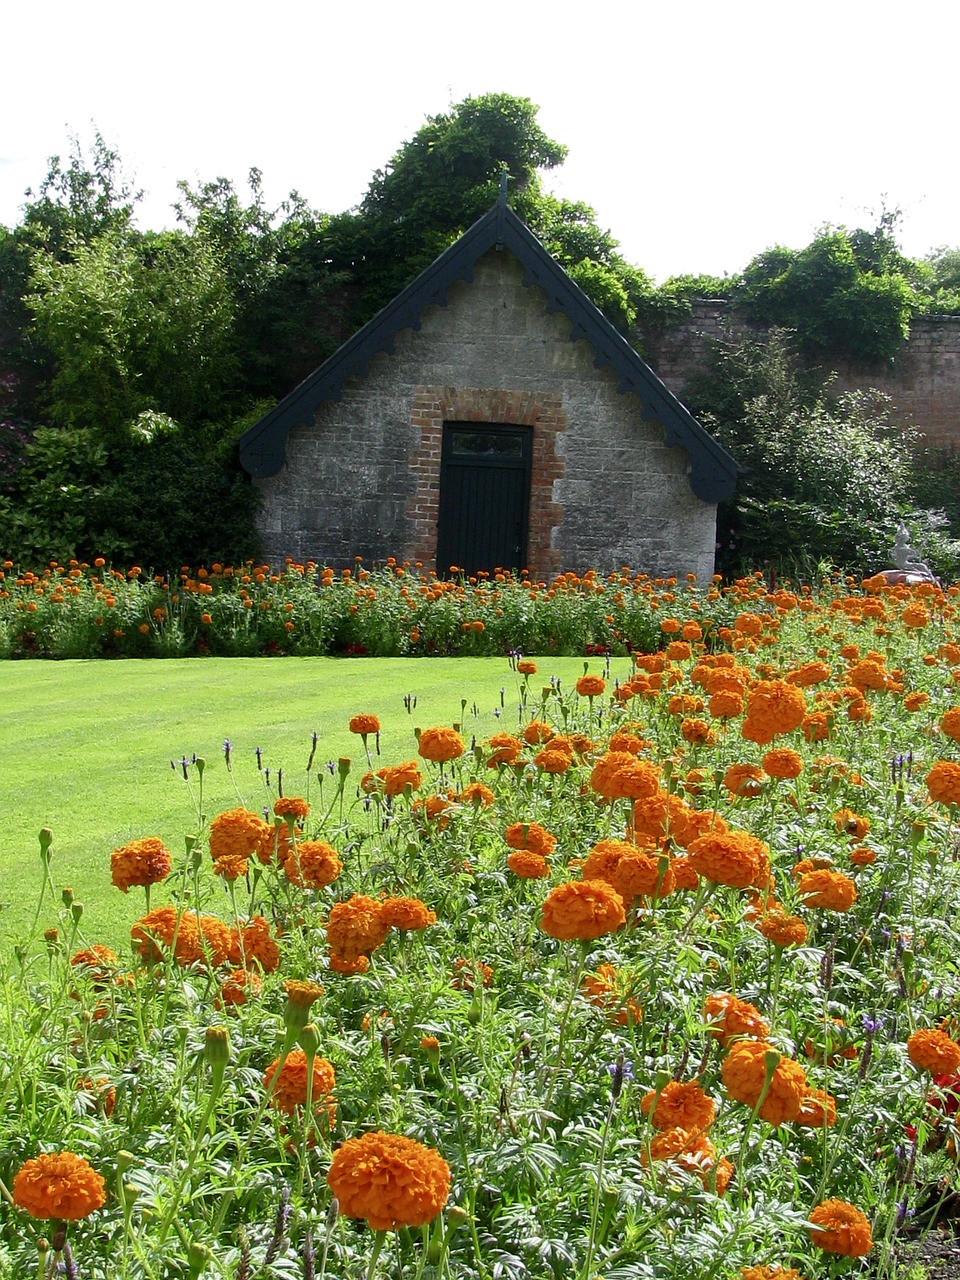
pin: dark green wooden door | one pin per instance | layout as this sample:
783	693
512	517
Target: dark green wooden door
484	497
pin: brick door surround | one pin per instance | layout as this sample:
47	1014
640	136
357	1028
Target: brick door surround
431	407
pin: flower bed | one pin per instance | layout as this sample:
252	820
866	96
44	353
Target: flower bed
656	978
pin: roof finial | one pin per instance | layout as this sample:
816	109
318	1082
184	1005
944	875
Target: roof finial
502	204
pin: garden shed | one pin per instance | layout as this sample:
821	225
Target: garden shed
490	416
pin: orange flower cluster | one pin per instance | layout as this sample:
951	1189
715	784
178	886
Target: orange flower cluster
189	936
607	991
827	890
841	1228
294	807
584	909
591	686
394	779
140	863
732	858
364	724
619	775
312	864
356	928
406	914
632	871
240	986
252	945
729	1017
532	837
943	782
774	707
290	1089
60	1186
504	748
744	780
440	744
390	1180
934	1051
782	762
235	836
683	1106
745	1072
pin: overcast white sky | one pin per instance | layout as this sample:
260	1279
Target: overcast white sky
701	132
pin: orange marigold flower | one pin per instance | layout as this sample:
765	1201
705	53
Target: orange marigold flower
531	836
406	913
745	1071
528	865
584	909
552	761
810	673
915	701
141	862
943	782
291	807
364	724
816	726
468	972
685	1106
782	762
731	857
841	1228
775	707
818	1110
348	967
603	989
504	749
396	778
783	930
619	775
240	986
662	815
933	1051
773	1272
535	733
591	686
253	945
727	1017
290	1089
826	889
477	796
744	780
237	833
163	926
863	856
725	704
356	927
526	668
98	961
851	824
440	744
697	732
390	1180
311	864
58	1185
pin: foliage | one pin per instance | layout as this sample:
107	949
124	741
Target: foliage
536	1074
846	293
826	478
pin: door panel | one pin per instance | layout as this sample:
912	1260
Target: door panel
484	497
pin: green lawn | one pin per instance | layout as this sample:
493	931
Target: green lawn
85	749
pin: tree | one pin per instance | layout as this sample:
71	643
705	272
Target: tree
846	293
134	323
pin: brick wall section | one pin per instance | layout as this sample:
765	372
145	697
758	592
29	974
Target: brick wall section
431	407
922	380
607	490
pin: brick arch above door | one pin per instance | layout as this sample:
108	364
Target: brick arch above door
431	407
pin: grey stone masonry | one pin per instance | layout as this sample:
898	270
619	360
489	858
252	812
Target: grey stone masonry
363	477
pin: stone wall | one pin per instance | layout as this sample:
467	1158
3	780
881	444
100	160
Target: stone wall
363	478
923	379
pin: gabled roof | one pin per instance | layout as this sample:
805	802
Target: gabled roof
713	471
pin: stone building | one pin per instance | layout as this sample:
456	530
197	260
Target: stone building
490	416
